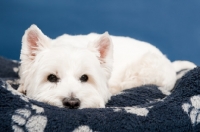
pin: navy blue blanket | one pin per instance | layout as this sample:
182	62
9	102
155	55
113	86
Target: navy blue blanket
146	108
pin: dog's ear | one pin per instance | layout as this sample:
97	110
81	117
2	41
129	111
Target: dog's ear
104	47
33	41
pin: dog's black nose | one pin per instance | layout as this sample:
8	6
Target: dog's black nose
71	103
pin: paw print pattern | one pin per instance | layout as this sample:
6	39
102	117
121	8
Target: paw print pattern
83	129
29	119
193	109
134	110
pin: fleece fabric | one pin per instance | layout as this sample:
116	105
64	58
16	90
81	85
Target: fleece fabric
142	109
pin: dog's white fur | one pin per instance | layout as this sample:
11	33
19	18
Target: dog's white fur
112	64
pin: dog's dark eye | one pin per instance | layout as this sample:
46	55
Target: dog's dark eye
52	78
84	78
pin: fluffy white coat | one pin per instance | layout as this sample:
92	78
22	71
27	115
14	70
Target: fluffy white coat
112	64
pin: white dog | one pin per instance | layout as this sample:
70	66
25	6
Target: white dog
84	71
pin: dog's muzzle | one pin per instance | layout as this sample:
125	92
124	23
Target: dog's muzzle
71	103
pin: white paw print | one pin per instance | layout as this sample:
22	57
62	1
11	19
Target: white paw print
29	119
193	109
83	129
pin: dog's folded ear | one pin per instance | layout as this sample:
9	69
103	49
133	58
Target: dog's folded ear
32	42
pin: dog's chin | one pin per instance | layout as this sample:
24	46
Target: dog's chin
52	103
81	106
93	104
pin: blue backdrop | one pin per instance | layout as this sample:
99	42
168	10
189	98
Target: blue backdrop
173	26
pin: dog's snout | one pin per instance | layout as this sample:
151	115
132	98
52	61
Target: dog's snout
71	103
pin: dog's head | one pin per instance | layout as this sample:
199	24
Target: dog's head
63	71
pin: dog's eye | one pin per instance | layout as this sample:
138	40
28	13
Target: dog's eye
84	78
52	78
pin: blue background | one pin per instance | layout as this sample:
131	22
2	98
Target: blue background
172	26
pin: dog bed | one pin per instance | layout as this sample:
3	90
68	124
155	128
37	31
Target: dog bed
146	108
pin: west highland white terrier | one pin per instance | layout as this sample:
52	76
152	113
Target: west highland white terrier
83	71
